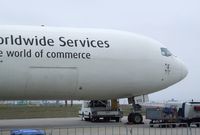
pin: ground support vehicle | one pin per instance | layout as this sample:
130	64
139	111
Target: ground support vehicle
161	115
96	110
189	112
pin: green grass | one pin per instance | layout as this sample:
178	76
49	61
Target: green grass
27	112
23	112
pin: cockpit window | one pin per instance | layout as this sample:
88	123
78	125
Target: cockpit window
165	52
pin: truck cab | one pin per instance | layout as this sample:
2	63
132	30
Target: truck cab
190	112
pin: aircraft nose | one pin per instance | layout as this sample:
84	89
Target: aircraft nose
175	72
184	70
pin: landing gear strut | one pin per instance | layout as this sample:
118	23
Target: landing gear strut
135	116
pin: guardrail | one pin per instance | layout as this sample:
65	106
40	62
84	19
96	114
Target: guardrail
157	129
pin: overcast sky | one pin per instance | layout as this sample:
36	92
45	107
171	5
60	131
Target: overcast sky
175	23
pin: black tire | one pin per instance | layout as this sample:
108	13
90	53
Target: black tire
97	119
130	117
135	118
151	123
173	125
163	126
106	119
117	119
87	119
138	119
197	125
93	119
188	124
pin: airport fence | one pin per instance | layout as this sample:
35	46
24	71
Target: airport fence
155	129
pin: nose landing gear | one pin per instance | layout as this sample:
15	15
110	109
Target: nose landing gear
135	116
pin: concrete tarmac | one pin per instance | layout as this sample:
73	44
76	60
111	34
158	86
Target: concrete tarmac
54	123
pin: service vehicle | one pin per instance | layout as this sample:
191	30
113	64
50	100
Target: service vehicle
160	115
189	112
95	110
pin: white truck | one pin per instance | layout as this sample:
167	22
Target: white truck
95	110
189	113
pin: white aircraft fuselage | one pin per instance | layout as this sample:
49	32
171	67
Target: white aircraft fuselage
82	64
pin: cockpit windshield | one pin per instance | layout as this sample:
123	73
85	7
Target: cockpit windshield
165	52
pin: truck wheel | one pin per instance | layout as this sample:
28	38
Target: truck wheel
97	119
86	119
188	124
151	123
197	125
130	117
173	125
90	117
117	119
93	119
106	119
163	126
